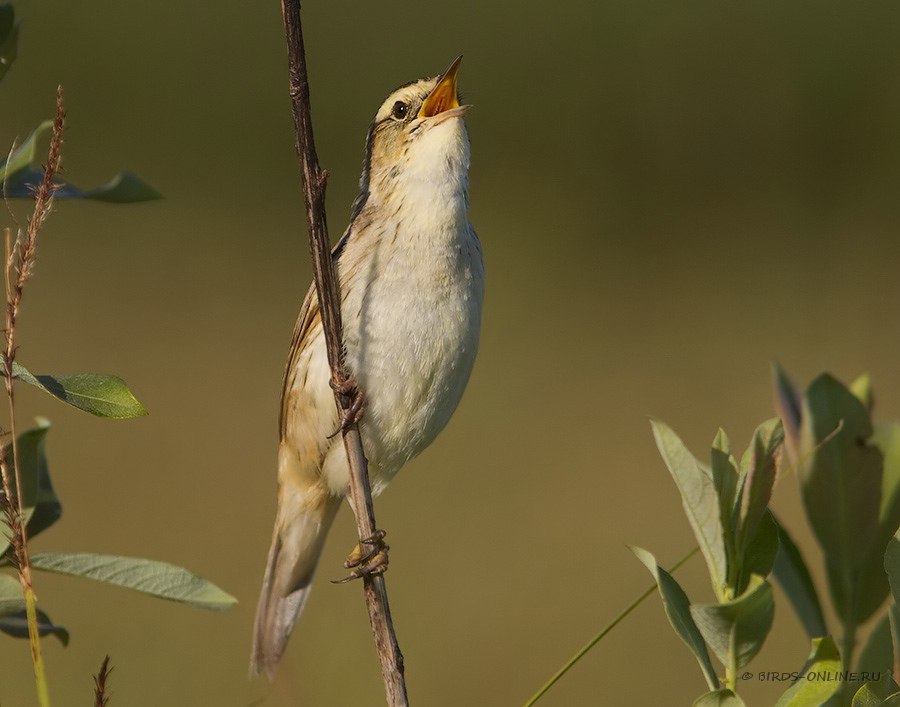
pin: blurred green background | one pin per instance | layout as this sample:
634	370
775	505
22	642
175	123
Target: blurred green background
670	196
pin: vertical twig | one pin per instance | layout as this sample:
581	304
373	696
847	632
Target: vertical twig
326	289
18	267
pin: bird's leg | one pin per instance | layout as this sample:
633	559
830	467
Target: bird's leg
362	562
352	414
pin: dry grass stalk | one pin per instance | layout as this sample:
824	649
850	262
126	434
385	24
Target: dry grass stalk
20	259
19	266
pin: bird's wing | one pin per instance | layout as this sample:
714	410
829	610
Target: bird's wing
306	320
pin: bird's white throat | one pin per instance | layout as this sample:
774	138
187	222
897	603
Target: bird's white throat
429	186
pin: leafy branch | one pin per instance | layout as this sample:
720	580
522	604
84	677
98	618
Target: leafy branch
28	503
849	471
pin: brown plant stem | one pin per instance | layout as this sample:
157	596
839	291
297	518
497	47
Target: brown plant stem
18	267
329	304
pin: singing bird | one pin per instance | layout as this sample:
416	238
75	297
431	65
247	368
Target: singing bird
411	279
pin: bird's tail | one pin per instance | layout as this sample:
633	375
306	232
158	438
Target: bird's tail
297	542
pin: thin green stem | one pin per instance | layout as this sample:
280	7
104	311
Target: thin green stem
34	637
609	627
21	545
731	676
40	677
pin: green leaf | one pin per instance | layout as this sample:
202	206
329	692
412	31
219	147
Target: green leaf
866	696
872	581
810	690
158	579
699	498
17	627
759	557
20	172
788	407
97	393
9	38
42	507
718	698
894	616
876	661
794	577
735	630
677	608
869	695
11	598
758	477
841	483
862	389
25	154
892	565
878	653
724	472
886	437
124	188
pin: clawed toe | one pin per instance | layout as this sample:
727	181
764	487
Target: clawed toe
352	414
364	562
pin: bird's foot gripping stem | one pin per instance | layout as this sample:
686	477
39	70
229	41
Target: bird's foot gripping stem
369	557
352	414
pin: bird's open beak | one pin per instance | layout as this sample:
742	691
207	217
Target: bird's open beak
443	96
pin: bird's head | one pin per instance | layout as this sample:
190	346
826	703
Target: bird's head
417	142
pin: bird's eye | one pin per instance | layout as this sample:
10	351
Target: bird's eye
400	110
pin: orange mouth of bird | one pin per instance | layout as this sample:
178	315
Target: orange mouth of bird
443	96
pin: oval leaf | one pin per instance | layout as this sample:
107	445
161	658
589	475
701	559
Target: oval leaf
869	696
724	472
12	600
158	579
735	630
699	498
124	188
841	484
20	173
866	696
24	155
814	686
678	609
17	627
42	507
757	478
97	393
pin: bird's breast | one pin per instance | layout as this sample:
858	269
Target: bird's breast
411	306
